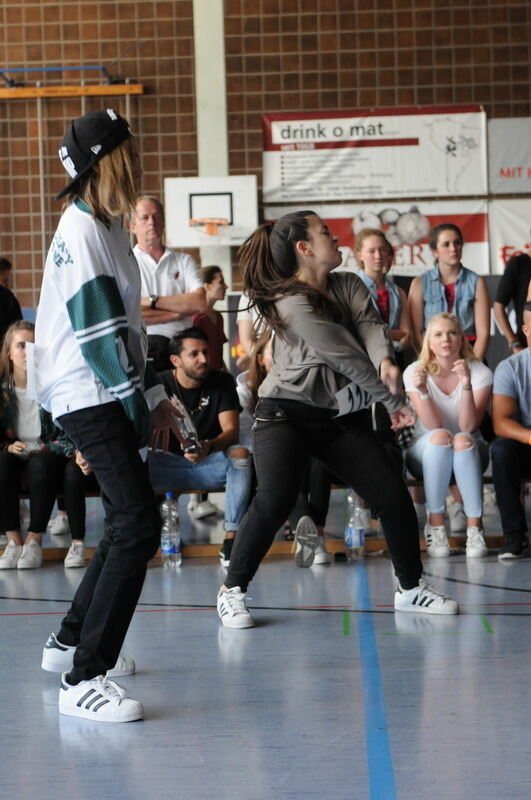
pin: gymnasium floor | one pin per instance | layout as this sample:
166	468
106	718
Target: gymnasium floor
332	695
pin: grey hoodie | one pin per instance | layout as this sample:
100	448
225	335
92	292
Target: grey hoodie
318	357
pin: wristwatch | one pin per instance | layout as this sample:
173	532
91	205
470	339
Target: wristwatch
153	298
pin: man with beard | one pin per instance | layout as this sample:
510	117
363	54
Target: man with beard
210	397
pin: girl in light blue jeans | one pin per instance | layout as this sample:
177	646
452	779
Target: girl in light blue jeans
449	389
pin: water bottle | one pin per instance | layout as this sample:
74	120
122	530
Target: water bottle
170	542
355	527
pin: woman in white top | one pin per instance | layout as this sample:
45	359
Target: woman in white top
33	454
449	389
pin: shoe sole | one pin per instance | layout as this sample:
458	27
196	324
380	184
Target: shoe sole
236	626
481	554
74	566
420	610
306	536
73	711
29	566
441	554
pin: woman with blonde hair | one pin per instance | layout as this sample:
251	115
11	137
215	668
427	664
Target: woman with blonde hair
449	389
90	357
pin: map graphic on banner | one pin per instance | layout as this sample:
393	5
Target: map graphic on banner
348	155
407	228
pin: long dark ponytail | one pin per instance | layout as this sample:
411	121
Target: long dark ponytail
268	261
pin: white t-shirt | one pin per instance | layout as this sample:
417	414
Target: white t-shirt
28	422
250	315
175	273
448	404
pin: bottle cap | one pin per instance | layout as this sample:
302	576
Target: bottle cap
168	495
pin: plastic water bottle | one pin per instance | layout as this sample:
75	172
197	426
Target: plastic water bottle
170	542
355	527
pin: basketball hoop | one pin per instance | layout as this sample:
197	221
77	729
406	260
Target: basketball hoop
209	225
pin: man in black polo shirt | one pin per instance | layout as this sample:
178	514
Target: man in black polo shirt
212	402
513	286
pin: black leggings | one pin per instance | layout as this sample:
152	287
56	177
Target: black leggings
286	435
76	485
41	475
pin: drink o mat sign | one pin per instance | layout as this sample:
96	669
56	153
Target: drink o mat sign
430	151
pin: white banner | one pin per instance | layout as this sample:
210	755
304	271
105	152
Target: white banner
510	155
509	230
407	227
408	152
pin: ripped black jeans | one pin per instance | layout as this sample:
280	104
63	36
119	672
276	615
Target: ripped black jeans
286	435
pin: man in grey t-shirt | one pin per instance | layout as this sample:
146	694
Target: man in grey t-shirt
511	451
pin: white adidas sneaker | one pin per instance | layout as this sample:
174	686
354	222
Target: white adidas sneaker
423	599
306	538
98	699
59	657
232	610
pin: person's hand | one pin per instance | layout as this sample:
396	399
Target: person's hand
164	419
81	462
145	302
16	448
391	376
420	378
402	418
462	370
198	457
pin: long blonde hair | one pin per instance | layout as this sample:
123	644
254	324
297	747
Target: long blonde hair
428	359
6	365
110	188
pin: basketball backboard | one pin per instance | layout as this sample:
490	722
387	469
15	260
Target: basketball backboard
232	198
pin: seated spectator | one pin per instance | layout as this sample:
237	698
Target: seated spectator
513	288
211	321
33	455
375	257
212	402
6	269
449	389
449	286
79	480
9	306
511	451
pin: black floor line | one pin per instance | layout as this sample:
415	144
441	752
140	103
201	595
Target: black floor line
473	583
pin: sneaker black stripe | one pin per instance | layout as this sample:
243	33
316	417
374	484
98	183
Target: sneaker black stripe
103	703
85	697
94	700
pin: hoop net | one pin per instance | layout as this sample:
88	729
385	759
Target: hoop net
208	228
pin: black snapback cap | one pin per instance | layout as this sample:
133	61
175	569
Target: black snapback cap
88	139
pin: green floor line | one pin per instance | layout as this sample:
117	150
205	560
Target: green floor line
346	623
486	625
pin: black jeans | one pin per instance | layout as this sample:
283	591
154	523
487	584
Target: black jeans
76	485
41	475
286	435
511	461
101	611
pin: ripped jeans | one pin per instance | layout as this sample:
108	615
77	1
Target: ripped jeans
435	463
170	472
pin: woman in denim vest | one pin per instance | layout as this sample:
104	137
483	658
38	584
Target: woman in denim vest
449	286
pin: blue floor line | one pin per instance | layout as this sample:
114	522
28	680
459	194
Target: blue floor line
379	758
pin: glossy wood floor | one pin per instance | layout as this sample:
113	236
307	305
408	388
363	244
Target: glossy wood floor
332	695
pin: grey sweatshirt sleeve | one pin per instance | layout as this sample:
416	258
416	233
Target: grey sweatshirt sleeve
333	345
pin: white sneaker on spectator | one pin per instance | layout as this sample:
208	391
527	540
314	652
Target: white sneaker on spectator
232	610
306	537
76	555
321	556
59	657
457	518
58	526
475	543
98	699
11	556
31	556
423	599
436	541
